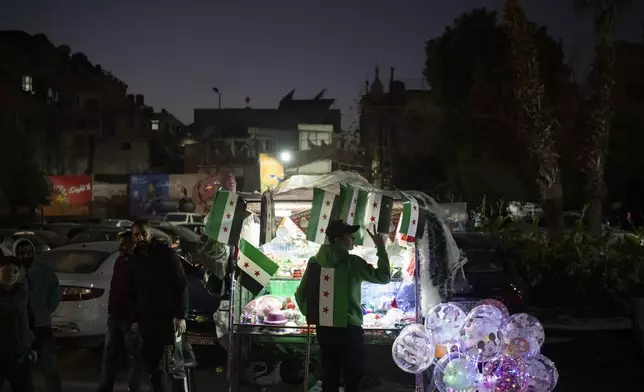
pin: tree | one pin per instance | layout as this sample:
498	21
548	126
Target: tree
601	82
22	184
537	124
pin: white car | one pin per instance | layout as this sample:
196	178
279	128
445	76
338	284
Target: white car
84	272
183	218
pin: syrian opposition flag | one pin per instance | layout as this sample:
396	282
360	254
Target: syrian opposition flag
321	210
225	218
255	268
327	295
378	215
347	203
412	220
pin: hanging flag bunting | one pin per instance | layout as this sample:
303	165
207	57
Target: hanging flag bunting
379	210
254	267
226	217
360	212
321	209
347	201
412	221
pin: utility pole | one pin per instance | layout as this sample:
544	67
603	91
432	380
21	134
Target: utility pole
216	90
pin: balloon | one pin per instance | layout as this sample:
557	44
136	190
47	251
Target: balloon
481	338
444	322
497	304
543	374
488	312
455	372
505	374
523	335
413	350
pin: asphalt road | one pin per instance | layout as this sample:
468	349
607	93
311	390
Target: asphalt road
587	361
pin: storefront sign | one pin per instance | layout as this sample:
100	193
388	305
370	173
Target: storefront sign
71	196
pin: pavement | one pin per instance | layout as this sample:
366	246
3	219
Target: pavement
587	360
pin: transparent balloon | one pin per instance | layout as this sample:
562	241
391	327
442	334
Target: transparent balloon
542	373
413	349
456	372
444	322
497	304
523	336
489	312
505	374
481	338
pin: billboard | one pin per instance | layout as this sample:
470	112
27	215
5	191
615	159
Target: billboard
158	194
271	172
71	196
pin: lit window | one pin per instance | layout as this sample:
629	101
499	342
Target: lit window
52	95
315	138
27	83
154	124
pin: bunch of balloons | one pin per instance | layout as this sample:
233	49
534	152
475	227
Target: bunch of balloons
486	350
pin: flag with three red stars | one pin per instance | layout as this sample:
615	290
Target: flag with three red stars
378	212
321	211
225	218
254	268
412	219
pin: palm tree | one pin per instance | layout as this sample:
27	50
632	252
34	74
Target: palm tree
600	79
536	122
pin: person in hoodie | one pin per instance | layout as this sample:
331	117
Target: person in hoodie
329	295
159	292
119	322
44	296
15	331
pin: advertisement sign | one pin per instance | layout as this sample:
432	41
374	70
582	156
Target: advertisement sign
71	196
271	172
205	189
158	194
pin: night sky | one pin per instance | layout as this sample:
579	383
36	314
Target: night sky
175	51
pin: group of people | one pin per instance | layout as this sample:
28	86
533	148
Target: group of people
147	308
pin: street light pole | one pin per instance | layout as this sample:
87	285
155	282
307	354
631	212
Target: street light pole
216	90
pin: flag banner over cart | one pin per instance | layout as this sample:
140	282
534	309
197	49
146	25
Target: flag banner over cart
412	220
321	210
254	267
377	217
226	217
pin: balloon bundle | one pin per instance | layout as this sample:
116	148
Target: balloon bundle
486	350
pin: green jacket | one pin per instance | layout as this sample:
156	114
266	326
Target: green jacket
356	269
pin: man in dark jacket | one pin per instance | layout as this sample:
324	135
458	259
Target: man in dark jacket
159	291
119	322
44	297
330	297
15	332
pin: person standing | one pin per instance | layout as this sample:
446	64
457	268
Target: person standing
15	333
329	295
159	290
44	296
119	322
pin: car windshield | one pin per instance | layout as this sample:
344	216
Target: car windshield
175	218
94	236
183	233
37	241
78	261
197	219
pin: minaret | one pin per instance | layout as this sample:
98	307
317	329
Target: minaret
376	86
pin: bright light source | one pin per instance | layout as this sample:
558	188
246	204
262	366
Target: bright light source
286	156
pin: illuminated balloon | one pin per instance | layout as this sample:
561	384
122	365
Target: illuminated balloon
455	372
497	304
443	322
481	338
505	374
523	336
543	374
413	350
489	312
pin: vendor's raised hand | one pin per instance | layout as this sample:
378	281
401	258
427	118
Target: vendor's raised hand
377	238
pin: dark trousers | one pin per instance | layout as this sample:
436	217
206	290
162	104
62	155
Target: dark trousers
163	356
47	363
119	336
342	352
18	373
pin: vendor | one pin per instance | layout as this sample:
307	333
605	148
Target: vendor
330	297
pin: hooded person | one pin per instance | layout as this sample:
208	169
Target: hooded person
329	295
44	296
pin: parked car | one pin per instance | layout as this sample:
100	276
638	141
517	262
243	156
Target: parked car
51	238
189	241
62	229
179	218
106	233
198	228
488	273
9	236
124	223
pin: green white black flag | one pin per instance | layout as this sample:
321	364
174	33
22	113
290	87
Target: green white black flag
321	210
254	267
226	217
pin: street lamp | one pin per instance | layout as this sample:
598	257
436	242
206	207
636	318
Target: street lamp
216	90
286	156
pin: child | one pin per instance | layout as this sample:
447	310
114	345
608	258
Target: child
15	331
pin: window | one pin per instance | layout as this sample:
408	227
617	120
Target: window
52	96
197	219
316	138
28	84
176	218
154	125
74	261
